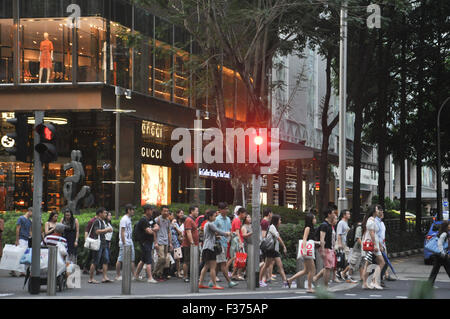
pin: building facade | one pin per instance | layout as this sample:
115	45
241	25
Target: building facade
71	71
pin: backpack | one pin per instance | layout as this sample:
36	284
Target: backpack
317	233
351	236
136	235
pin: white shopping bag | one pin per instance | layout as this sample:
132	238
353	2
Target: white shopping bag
11	258
74	279
305	252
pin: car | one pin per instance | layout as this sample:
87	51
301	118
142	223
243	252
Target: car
434	229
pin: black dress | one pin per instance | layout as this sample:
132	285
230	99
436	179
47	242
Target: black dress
71	234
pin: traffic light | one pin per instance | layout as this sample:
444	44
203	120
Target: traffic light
317	186
20	137
47	143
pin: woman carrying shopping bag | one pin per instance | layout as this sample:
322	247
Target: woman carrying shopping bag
307	255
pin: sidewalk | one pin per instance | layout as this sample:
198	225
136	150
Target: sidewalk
12	287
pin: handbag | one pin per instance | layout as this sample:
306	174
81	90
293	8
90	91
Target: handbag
368	245
267	243
217	248
306	252
241	260
92	244
432	245
177	253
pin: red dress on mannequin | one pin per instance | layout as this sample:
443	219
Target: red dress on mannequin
46	58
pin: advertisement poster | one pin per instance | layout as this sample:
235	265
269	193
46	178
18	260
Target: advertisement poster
155	185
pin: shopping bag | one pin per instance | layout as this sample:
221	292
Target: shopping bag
368	245
74	278
432	245
307	252
177	253
11	258
241	260
26	257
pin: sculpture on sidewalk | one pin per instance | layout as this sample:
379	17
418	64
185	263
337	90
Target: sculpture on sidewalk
74	192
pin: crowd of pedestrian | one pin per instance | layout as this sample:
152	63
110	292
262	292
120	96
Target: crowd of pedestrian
166	240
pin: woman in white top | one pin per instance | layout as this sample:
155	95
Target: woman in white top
273	256
370	229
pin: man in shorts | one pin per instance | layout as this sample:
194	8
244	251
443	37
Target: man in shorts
223	223
326	249
125	239
145	230
190	238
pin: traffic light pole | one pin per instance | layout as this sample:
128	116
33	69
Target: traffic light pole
253	254
35	279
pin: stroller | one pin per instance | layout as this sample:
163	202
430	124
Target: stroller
61	275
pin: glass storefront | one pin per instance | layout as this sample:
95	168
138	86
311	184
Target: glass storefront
91	132
114	43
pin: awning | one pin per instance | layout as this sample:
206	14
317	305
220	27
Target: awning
291	151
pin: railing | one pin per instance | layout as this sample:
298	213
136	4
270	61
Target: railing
393	225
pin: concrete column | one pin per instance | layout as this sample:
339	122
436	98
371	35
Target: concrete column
126	271
194	268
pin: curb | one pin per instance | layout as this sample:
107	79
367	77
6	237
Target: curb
406	253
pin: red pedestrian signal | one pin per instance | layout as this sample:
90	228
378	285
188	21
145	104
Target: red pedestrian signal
46	146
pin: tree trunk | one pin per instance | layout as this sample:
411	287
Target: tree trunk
402	150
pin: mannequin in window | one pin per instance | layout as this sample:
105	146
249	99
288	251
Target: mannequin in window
45	57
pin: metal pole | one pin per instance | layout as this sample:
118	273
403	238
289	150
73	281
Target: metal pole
438	170
256	230
126	271
116	189
52	270
251	274
35	280
194	264
342	201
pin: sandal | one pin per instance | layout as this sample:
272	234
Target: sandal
107	280
93	282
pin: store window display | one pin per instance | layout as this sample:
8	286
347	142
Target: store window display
45	57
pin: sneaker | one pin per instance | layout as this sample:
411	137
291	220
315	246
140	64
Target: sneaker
294	284
350	280
339	275
210	284
202	287
232	284
186	280
152	281
286	285
262	284
218	279
337	280
118	278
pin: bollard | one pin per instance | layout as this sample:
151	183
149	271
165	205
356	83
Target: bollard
251	273
300	280
126	271
194	264
52	270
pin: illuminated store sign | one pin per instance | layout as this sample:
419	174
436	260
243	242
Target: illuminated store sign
152	130
155	185
149	152
204	172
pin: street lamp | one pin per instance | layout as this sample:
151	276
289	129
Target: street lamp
439	182
119	91
342	201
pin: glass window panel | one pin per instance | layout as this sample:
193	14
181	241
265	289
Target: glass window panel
92	50
40	40
181	91
242	100
143	60
121	12
228	91
143	22
121	55
6	42
163	59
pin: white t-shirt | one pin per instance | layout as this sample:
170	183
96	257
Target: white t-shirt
371	225
125	222
342	230
273	231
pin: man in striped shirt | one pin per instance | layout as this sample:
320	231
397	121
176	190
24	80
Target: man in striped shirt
56	237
